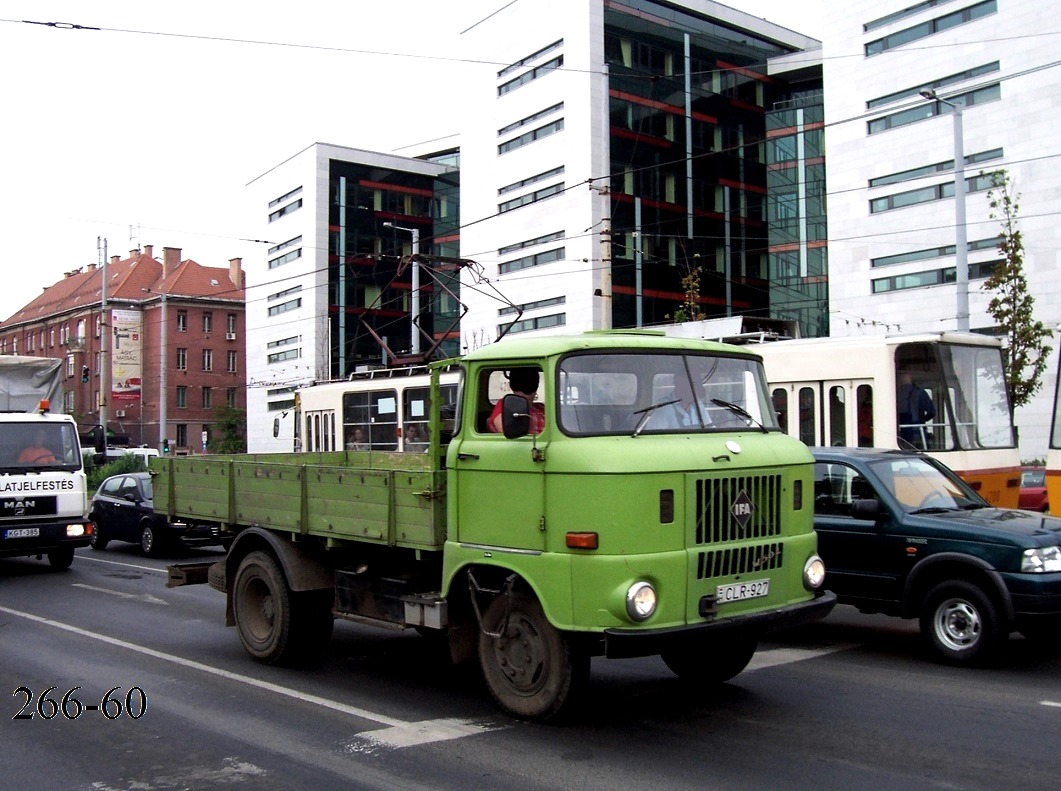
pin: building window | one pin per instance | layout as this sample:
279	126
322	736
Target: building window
531	260
182	397
284	307
933	169
230	397
208	322
530	197
283	342
208	397
931	26
529	137
286	258
930	109
933	277
208	359
284	245
530	76
51	336
285	293
99	327
928	194
182	359
182	435
906	12
231	324
940	84
279	357
530	58
69	365
285	197
539	323
182	321
933	252
536	305
288	209
233	358
530	119
549	237
515	185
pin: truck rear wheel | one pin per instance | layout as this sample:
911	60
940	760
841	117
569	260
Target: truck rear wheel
960	623
531	670
709	664
61	558
275	624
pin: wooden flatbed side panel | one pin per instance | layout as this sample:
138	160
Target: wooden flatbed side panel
419	510
269	495
349	504
201	489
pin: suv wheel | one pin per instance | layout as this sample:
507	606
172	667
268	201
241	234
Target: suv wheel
960	623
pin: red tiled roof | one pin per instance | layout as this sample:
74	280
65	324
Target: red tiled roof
127	280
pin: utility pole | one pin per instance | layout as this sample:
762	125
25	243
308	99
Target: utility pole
104	349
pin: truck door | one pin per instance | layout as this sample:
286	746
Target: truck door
499	486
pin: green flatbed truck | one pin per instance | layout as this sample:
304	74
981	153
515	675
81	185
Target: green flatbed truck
638	520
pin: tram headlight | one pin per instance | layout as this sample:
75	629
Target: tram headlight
813	573
640	601
1041	560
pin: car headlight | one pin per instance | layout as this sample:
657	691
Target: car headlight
640	601
813	573
1041	560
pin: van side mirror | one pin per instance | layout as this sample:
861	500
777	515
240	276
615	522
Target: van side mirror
515	416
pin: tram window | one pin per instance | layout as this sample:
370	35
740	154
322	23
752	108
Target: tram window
864	415
837	416
806	416
376	414
780	397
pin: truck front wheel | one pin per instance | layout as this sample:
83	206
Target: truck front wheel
61	558
531	669
707	664
960	623
275	624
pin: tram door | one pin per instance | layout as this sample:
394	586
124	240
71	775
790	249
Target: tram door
836	413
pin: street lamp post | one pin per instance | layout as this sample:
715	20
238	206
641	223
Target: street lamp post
961	245
414	302
161	374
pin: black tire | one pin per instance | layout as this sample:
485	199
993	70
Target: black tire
60	558
710	664
961	623
150	540
532	670
276	625
98	540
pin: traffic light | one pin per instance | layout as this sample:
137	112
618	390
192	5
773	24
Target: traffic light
165	446
84	373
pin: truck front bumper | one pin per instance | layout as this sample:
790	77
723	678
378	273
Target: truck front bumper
48	536
627	643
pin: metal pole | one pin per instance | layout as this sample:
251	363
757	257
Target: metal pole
961	252
415	302
104	353
162	379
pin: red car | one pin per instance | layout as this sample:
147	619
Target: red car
1033	489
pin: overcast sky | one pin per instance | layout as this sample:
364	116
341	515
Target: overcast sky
147	131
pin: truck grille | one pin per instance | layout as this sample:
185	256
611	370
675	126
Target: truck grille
739	560
737	508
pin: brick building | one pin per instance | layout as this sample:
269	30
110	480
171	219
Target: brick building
174	346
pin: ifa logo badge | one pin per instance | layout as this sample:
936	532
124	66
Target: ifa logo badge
742	509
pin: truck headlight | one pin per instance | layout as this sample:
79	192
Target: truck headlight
813	573
1041	560
640	601
75	531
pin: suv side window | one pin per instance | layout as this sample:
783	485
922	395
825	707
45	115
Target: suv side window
836	486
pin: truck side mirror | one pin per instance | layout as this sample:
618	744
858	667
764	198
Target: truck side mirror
515	416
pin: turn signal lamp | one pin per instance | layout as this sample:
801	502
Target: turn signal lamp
582	540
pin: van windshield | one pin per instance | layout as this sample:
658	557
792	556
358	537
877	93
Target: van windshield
658	393
40	445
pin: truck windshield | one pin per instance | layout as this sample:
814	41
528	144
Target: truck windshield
39	445
654	393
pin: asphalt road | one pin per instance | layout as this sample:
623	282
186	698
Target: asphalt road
852	702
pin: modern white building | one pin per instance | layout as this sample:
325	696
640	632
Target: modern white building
893	234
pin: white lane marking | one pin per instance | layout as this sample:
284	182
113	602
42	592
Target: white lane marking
413	734
119	563
1055	703
449	729
783	656
145	597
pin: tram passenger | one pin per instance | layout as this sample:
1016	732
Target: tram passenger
915	408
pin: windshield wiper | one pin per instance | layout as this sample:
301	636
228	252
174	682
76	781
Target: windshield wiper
740	411
933	509
646	413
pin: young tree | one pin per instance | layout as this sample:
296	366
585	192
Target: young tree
230	431
1011	305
